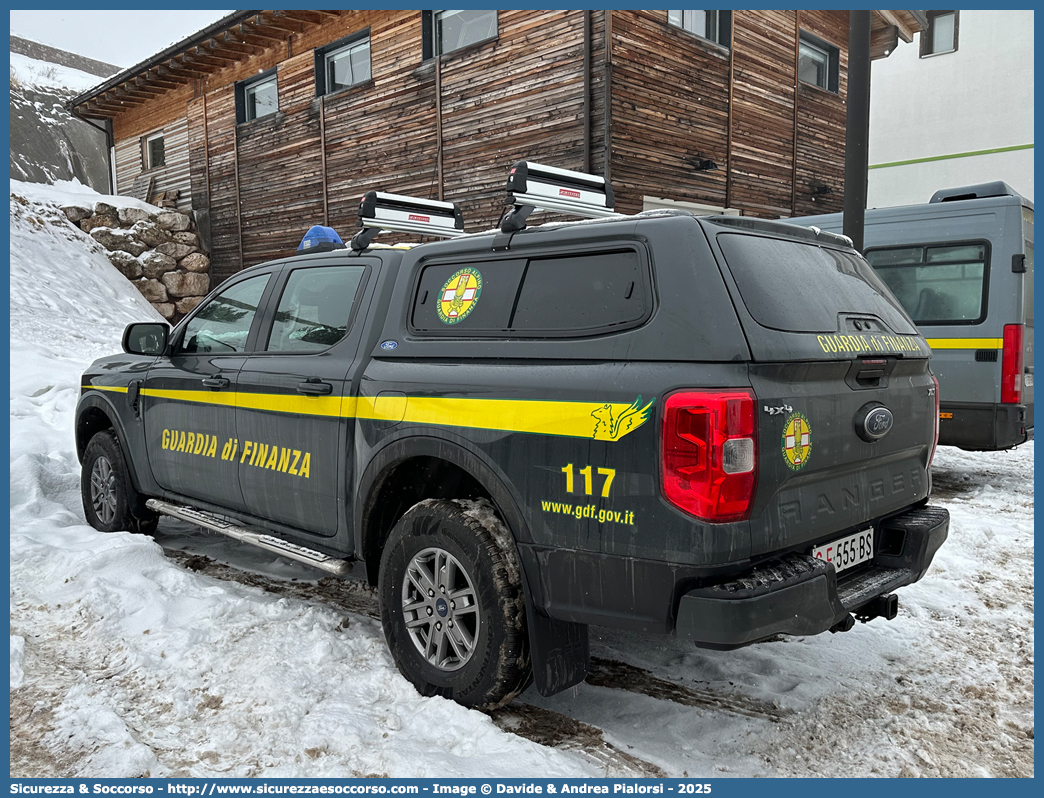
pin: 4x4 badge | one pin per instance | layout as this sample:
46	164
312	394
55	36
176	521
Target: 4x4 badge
778	411
797	441
459	295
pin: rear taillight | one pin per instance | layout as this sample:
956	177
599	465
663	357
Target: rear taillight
709	453
1011	365
935	440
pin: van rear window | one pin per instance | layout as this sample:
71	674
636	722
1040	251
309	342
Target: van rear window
798	287
939	284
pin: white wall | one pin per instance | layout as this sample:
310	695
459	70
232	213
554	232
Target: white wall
977	98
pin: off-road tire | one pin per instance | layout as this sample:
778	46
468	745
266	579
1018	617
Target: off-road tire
126	511
499	666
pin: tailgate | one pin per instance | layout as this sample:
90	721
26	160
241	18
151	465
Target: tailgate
820	472
846	403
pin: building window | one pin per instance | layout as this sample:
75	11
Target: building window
155	156
941	35
818	62
257	97
446	31
715	26
343	63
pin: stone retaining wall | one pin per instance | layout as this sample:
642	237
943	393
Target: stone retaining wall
158	252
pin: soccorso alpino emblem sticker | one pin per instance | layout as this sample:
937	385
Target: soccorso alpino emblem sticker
459	295
797	441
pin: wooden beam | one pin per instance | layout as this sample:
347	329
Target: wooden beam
883	42
161	83
201	56
891	18
184	70
124	100
308	17
166	74
274	20
254	29
147	87
261	43
229	42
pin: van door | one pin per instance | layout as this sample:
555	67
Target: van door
1027	305
960	294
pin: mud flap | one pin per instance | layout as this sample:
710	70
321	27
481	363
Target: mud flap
559	650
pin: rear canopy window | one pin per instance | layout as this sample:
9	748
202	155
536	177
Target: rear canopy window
937	284
798	287
536	297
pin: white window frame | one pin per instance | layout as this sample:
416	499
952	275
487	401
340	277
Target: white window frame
250	88
690	22
148	151
346	50
437	16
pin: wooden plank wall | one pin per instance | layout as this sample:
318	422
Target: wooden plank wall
763	96
174	175
670	103
519	96
821	123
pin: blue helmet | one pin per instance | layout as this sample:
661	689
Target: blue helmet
320	239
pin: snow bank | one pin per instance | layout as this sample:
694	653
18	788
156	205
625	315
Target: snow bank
45	74
148	668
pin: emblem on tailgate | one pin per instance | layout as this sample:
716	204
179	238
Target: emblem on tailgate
797	441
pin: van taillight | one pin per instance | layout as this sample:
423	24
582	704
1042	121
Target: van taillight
1011	365
935	440
709	453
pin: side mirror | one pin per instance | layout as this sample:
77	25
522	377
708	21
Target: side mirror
145	338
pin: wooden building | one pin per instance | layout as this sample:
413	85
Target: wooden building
267	122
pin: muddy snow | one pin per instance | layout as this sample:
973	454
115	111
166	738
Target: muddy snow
186	655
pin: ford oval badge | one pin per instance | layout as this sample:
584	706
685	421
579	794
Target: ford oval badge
388	345
874	422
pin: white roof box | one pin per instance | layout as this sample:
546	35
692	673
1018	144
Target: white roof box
549	188
381	211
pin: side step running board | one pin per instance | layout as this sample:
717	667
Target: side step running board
218	524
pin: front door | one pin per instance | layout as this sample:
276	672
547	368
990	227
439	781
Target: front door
294	409
189	398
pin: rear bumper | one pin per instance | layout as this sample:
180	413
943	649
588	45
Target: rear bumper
799	595
984	427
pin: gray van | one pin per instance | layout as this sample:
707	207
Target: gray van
962	266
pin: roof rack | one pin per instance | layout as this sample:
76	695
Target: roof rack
380	211
532	186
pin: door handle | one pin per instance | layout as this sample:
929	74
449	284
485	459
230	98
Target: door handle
216	382
314	388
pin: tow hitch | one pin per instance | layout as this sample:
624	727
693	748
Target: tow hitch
886	607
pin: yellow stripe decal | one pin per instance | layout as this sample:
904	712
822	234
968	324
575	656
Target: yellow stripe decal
604	421
965	343
113	388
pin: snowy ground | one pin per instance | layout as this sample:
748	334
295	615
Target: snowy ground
186	655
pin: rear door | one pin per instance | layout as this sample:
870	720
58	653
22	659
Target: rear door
830	347
946	290
295	408
1027	303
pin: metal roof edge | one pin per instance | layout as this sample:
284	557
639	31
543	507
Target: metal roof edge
196	38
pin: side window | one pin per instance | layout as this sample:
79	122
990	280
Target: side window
257	97
462	298
818	62
314	309
570	295
222	326
587	292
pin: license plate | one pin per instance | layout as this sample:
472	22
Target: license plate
847	552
